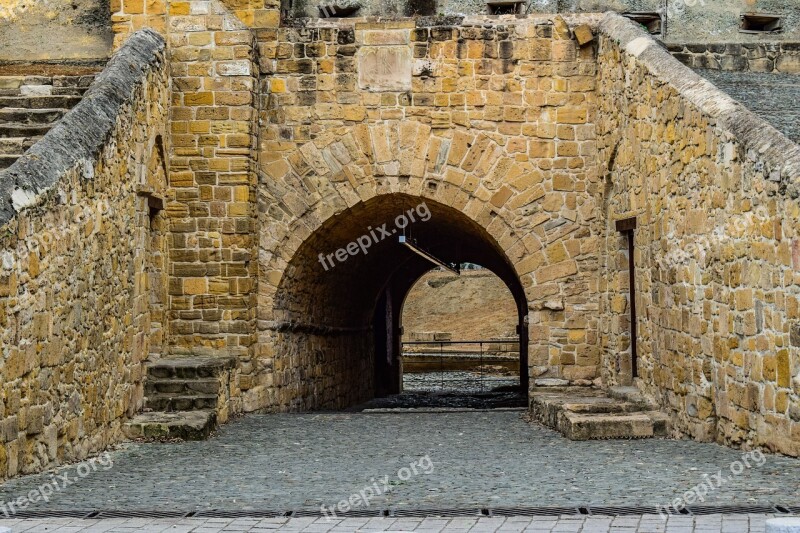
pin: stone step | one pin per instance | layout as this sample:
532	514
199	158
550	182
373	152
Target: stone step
596	426
183	387
582	399
40	102
42	90
81	82
68	91
181	402
24	130
31	116
16	145
194	367
15	81
187	425
629	394
7	160
581	413
11	83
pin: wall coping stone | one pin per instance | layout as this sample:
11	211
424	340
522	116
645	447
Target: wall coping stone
77	139
762	143
447	21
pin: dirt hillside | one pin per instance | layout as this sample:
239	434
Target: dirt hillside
55	29
476	305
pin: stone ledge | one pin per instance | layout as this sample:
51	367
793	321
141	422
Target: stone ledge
590	414
602	426
186	425
760	141
77	140
225	361
53	67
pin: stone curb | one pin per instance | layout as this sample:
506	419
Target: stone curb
76	141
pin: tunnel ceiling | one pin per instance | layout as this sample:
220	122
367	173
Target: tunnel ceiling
345	294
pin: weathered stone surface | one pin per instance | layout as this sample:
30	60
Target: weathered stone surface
583	34
339	8
561	28
186	425
595	426
384	68
707	322
76	310
588	414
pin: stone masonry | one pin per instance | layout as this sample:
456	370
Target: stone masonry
715	193
189	221
78	307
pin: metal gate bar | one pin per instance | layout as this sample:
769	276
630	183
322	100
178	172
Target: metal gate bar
460	366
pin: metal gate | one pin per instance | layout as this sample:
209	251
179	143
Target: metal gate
461	366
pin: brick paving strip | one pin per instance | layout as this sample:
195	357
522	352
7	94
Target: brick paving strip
627	524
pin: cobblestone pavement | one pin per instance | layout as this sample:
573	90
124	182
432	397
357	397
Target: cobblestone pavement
628	524
457	381
479	459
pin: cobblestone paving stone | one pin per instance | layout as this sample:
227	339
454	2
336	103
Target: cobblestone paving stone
627	524
480	459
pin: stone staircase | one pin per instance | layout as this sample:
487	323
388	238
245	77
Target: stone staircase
31	105
584	413
184	398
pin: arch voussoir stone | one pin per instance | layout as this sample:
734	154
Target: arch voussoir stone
503	194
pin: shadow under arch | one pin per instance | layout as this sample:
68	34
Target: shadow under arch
327	311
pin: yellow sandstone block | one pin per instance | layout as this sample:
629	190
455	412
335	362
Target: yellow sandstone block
195	286
179	8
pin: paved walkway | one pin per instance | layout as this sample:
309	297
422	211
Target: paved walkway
634	524
406	461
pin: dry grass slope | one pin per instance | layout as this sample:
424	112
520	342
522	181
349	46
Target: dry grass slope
475	305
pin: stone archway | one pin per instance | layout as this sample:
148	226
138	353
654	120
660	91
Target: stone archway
328	191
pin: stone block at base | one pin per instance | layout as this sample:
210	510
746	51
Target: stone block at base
186	425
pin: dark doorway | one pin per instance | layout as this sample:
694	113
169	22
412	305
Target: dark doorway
339	333
627	228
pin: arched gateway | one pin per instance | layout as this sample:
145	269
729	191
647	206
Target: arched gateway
331	212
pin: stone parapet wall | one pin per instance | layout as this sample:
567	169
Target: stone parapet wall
81	267
779	57
715	192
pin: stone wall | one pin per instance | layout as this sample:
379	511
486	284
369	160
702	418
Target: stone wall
493	117
210	202
82	253
775	57
684	21
715	193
